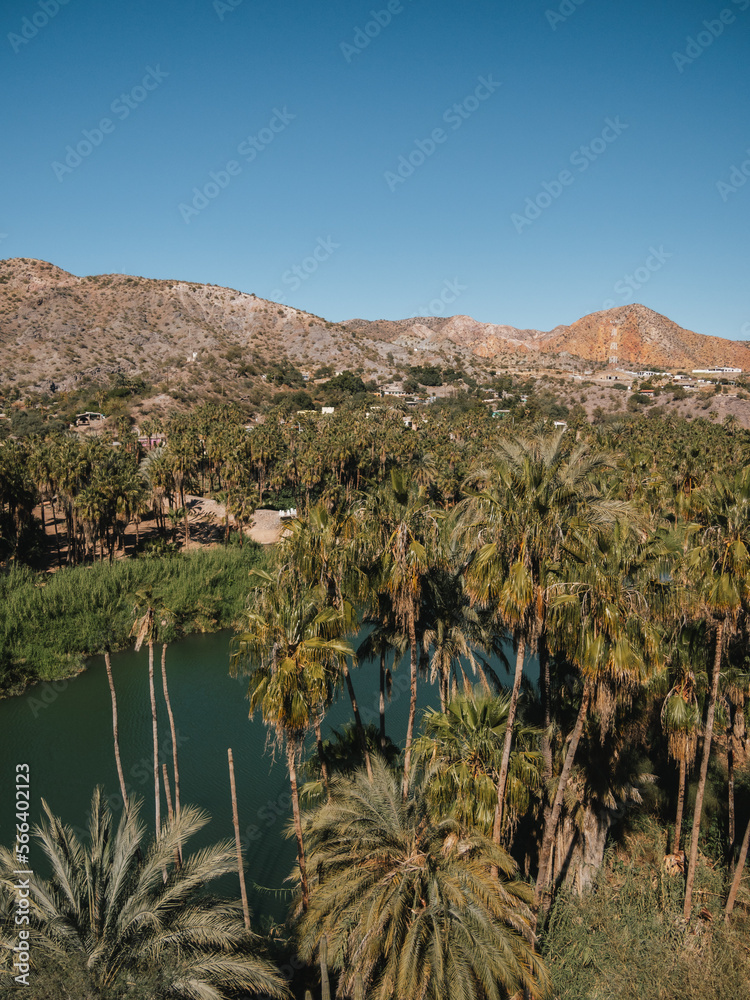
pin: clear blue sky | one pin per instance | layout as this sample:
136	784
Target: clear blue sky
317	125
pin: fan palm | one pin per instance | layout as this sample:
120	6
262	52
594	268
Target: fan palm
511	531
403	540
291	647
106	907
719	569
411	905
460	753
603	623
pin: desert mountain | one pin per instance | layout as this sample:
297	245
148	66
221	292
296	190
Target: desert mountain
59	329
634	334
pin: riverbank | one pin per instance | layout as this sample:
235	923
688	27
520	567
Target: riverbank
50	624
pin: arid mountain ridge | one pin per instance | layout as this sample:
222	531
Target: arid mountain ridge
58	329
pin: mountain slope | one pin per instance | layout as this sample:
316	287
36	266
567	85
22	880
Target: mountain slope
57	329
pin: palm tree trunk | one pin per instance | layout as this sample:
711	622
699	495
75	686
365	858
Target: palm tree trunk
413	697
291	762
357	718
698	811
730	786
502	779
738	873
680	807
325	986
115	733
544	684
322	756
155	731
172	729
57	534
167	792
550	827
382	699
238	842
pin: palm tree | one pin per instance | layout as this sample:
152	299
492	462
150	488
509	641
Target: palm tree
454	634
383	639
407	901
681	719
146	627
718	565
115	730
402	539
291	647
460	753
318	551
106	908
511	531
604	625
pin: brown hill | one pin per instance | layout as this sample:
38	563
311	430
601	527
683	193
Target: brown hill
644	338
63	330
635	335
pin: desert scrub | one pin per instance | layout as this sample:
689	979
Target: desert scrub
50	624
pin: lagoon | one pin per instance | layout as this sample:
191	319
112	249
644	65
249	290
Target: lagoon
63	731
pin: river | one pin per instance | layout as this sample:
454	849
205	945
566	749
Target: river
63	731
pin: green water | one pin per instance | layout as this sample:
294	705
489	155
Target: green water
63	731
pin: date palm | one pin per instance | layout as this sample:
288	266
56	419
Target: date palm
106	908
409	903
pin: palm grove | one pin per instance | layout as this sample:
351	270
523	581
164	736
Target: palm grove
460	556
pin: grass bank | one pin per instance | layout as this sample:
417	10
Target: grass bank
50	624
626	939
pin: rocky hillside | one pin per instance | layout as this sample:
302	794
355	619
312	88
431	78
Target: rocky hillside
58	330
636	335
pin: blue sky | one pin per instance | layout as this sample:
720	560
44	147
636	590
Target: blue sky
552	157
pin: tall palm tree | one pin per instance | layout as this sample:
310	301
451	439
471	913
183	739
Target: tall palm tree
511	530
718	565
408	901
681	719
318	551
106	907
290	646
150	620
401	537
603	623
